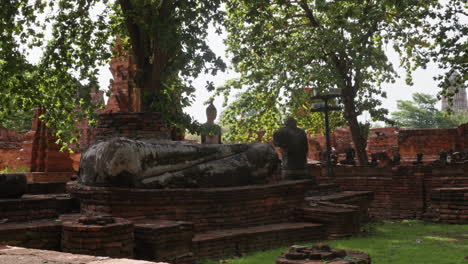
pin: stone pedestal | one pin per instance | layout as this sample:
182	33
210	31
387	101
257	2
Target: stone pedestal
98	236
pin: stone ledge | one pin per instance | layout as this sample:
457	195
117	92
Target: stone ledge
49	177
33	256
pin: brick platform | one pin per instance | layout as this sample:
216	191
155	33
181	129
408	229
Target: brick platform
362	199
29	207
208	209
46	188
164	241
40	234
339	220
112	239
235	242
450	205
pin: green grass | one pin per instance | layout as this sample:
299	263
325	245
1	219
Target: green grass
19	169
406	242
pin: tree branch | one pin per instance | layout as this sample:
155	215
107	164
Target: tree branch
134	32
309	14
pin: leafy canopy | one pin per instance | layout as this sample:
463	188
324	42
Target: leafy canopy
74	38
281	47
422	113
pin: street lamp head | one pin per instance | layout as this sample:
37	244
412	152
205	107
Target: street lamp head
334	91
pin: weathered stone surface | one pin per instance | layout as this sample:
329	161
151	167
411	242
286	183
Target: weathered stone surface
33	256
12	185
122	162
294	147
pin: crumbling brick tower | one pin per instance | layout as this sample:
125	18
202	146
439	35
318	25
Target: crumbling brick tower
460	102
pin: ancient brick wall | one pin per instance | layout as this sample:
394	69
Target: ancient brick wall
400	192
131	125
383	139
12	152
430	142
208	209
407	142
46	155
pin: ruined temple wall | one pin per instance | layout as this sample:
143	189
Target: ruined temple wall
400	192
14	150
340	139
407	142
383	139
430	142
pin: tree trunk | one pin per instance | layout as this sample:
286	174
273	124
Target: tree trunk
356	134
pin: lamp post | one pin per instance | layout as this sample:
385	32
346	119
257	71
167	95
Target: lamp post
326	108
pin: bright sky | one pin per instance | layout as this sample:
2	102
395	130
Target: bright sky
423	82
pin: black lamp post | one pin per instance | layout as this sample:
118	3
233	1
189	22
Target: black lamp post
326	108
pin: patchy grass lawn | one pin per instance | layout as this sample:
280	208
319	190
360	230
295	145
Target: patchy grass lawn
406	242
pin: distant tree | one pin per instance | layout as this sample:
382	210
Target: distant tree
422	113
280	47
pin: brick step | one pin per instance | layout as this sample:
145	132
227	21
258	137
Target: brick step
324	189
339	220
47	188
161	240
38	234
235	242
35	207
362	199
343	197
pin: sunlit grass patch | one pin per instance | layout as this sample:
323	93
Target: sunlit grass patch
405	242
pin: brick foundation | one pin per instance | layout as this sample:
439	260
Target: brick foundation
208	209
112	240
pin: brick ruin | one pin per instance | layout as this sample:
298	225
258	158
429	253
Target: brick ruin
11	155
392	140
432	192
37	152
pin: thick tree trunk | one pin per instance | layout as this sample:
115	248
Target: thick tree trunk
358	139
